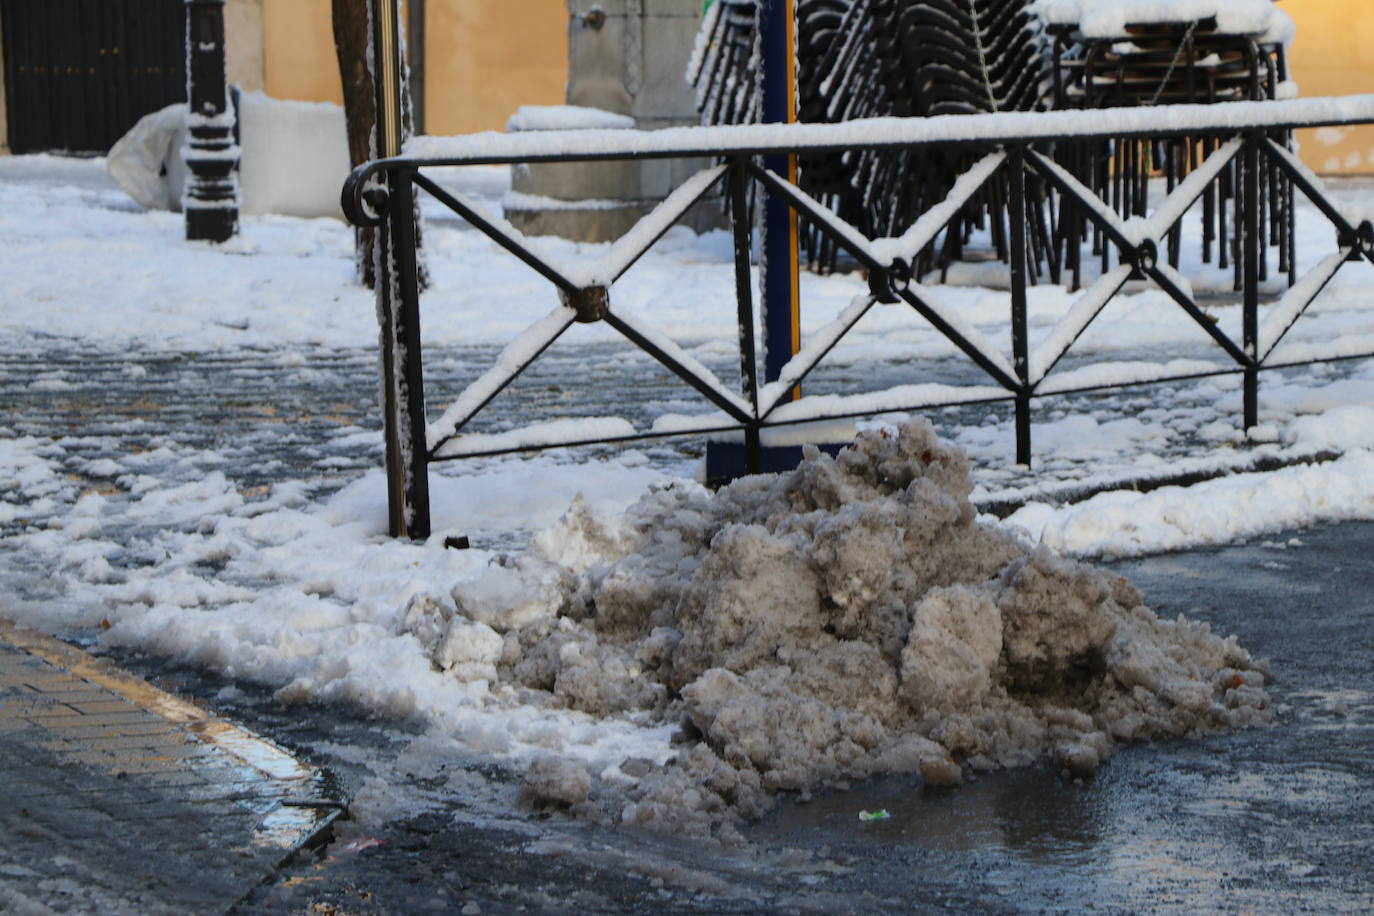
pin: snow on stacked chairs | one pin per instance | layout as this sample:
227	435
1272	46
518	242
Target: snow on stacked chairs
875	58
1165	52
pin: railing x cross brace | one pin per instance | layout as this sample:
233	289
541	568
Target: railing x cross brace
1015	149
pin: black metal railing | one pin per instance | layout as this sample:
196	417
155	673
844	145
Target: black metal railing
1243	139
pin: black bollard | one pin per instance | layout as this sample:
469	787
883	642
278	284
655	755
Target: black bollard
211	198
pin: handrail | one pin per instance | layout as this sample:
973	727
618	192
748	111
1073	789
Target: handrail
493	148
1007	152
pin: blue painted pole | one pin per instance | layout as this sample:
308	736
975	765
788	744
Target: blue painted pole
781	318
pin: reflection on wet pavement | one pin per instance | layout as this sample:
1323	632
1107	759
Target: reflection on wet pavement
1267	820
114	793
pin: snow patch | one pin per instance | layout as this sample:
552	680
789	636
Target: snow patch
566	117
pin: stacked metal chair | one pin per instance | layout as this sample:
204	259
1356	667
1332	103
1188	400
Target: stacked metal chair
874	58
1162	63
722	69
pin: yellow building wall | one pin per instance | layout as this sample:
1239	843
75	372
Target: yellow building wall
298	50
484	58
1333	54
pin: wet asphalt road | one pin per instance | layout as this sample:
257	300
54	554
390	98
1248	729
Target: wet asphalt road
1273	820
1276	820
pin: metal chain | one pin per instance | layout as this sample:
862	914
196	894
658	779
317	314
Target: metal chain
1173	64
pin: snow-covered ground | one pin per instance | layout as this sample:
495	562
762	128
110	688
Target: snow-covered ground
178	548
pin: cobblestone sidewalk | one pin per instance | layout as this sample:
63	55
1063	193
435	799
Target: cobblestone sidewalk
116	797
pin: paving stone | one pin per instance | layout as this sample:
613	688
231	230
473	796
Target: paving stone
99	707
108	807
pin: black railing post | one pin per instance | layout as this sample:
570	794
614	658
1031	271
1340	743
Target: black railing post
398	298
212	194
415	53
1250	254
1016	217
744	304
402	231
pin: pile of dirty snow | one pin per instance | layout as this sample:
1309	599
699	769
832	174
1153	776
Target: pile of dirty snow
850	618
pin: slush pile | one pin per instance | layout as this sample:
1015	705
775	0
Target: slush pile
851	618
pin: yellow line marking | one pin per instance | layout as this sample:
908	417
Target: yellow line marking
233	740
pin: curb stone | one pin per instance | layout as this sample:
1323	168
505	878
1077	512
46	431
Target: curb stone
116	797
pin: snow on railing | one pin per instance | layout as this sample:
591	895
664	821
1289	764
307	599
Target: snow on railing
632	245
1001	127
1128	372
929	224
705	378
513	359
1285	313
1084	309
1106	216
989	350
1188	191
812	352
539	435
896	399
1009	148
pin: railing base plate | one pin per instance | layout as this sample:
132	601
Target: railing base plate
728	461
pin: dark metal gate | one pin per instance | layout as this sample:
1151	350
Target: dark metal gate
79	73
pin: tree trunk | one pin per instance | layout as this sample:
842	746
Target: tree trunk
352	20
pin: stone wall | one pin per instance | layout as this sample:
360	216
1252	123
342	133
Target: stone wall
628	57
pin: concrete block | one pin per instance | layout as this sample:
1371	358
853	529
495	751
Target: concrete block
686	9
579	180
591	224
664	92
596	65
631	59
606	224
610	7
660	177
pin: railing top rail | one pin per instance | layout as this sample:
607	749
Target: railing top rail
492	148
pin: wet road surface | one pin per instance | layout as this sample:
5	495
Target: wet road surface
1279	819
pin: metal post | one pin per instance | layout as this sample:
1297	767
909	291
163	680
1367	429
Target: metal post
212	194
744	301
1016	216
398	297
1250	254
781	319
415	48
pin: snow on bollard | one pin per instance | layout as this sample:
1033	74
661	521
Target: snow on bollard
211	198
